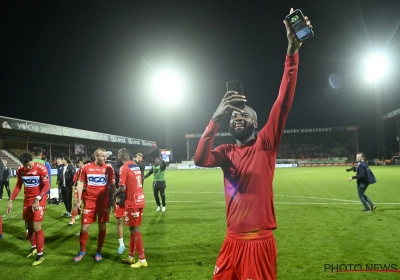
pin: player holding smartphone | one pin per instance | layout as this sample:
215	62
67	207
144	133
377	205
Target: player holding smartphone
249	250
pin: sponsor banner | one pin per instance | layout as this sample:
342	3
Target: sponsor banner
288	131
16	124
321	129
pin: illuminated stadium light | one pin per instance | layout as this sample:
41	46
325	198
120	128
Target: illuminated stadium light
376	67
168	86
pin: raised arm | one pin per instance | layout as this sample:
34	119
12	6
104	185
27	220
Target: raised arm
271	133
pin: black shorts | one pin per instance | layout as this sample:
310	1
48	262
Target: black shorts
159	185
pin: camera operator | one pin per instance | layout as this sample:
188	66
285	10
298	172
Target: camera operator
362	182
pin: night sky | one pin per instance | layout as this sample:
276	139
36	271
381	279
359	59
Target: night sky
87	64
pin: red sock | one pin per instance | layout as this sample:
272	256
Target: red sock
1	224
73	214
100	240
32	237
39	241
83	237
139	244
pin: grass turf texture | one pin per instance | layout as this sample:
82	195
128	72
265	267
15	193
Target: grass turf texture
318	214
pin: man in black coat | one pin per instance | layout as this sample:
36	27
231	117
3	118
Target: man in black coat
362	183
66	182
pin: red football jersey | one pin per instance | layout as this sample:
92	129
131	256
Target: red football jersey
96	180
35	180
131	177
249	169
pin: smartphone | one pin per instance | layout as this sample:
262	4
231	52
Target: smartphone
298	24
236	86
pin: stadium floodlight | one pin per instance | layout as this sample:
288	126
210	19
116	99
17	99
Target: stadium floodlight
376	67
168	86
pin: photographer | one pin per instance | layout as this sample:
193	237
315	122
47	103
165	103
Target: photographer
362	182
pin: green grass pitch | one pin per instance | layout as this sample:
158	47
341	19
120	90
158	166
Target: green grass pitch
318	214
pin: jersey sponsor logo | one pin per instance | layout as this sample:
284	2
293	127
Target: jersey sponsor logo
135	214
133	167
31	181
139	198
96	179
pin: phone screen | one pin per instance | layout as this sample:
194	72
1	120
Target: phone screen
297	22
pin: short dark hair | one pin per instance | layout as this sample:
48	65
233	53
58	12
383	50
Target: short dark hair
67	159
24	158
37	151
124	153
86	160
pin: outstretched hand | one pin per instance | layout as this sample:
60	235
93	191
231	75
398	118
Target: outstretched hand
226	105
294	42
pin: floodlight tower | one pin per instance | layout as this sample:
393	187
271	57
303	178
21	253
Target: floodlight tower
376	68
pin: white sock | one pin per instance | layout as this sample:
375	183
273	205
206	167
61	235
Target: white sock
142	261
121	241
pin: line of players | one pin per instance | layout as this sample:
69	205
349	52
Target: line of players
96	195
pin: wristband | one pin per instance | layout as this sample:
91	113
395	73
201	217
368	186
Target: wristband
39	197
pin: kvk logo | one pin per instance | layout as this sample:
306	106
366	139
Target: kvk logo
31	181
97	180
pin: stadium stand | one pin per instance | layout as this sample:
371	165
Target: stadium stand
12	162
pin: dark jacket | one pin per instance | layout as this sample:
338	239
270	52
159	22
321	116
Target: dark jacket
142	166
116	168
69	176
60	170
6	173
360	174
1	170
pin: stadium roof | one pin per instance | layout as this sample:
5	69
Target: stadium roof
20	130
290	131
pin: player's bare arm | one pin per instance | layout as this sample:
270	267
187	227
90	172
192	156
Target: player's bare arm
294	44
119	191
9	206
35	205
80	189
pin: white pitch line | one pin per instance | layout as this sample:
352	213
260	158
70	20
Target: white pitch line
289	203
315	197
